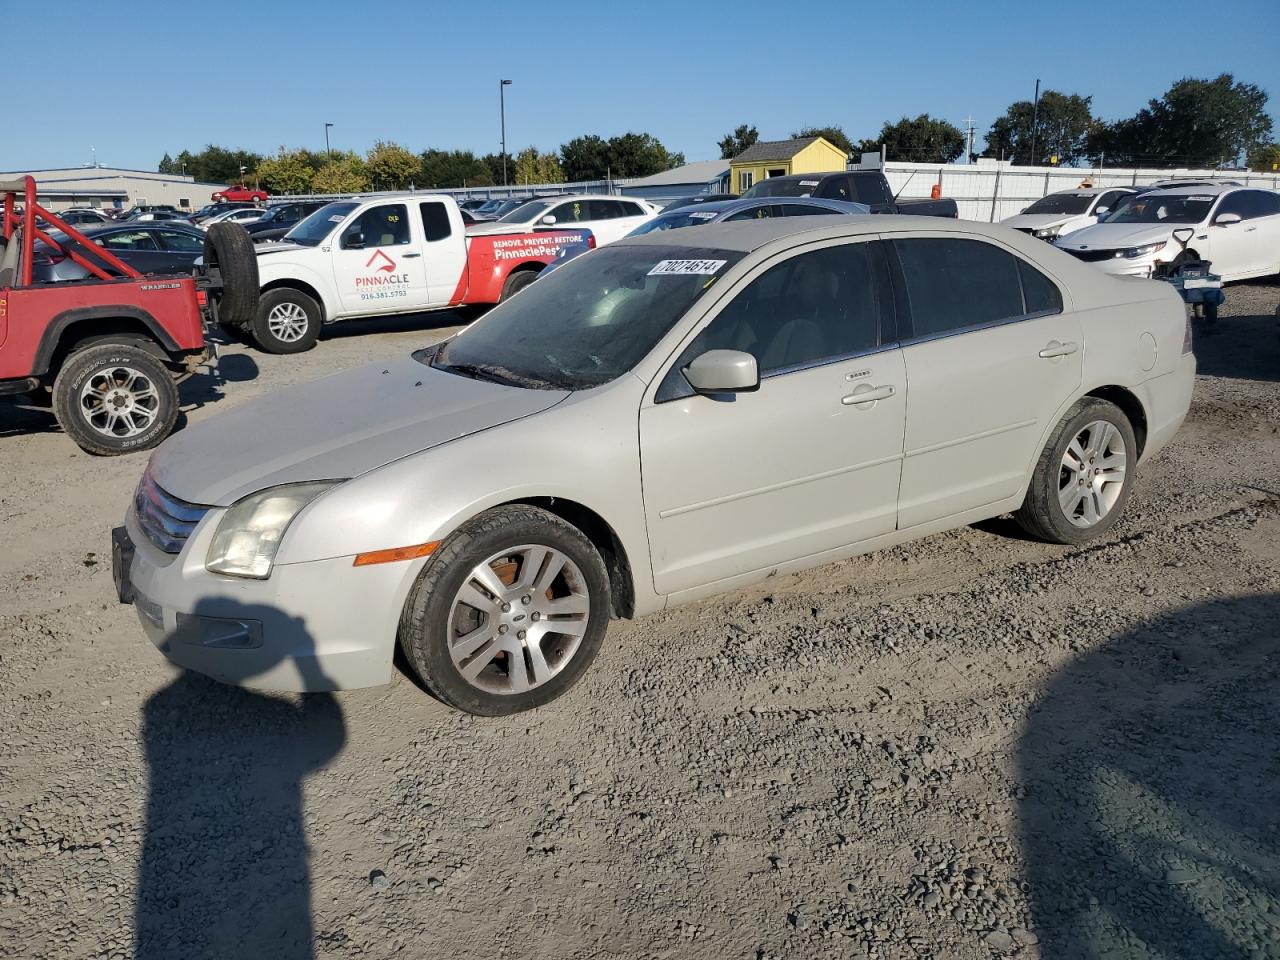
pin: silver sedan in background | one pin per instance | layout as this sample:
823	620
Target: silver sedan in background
672	417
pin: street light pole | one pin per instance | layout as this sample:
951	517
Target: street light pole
502	113
1035	117
328	154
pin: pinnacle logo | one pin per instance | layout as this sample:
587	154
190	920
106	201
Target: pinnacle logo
383	262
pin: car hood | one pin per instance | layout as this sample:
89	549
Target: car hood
337	427
1113	236
1038	221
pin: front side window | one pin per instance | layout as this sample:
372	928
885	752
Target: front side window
801	210
814	307
1163	208
183	242
588	322
383	226
133	240
954	284
573	212
762	212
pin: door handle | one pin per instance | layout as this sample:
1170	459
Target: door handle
409	256
1056	349
865	393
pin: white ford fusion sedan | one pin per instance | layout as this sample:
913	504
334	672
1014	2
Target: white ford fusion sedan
672	417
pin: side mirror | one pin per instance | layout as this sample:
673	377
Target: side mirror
723	371
1101	212
353	241
1183	235
549	219
1226	219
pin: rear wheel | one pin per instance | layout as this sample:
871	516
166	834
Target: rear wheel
288	321
517	282
509	613
1082	481
113	399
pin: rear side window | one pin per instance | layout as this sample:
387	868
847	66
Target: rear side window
435	221
185	242
957	283
629	209
762	212
601	210
800	210
1039	294
869	190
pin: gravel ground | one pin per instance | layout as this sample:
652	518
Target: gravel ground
972	746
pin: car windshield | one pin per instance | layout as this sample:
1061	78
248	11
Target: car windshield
313	230
778	187
526	212
1065	203
589	322
1162	208
675	220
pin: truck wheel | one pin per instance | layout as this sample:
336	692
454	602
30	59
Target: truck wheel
517	282
288	321
115	398
228	248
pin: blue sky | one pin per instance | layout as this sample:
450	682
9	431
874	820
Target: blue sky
258	75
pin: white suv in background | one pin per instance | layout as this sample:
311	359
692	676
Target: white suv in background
1067	211
608	218
1237	229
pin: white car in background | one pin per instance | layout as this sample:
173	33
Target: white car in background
241	215
608	218
1237	229
1067	211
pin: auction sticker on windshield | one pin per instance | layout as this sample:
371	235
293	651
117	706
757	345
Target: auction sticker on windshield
700	268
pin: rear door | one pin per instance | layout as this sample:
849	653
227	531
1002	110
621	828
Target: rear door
138	248
445	250
629	215
991	357
808	463
181	249
378	265
1247	248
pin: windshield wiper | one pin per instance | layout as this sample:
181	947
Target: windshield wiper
494	374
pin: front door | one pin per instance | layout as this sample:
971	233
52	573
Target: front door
378	264
810	462
992	357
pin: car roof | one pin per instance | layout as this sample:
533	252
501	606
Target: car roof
748	203
1200	191
1087	191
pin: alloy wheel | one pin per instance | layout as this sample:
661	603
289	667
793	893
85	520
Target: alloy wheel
119	402
288	322
1093	473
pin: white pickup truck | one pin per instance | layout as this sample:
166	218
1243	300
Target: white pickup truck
393	254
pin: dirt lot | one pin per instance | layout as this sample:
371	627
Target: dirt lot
975	745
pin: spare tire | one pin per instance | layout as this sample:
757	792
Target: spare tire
229	251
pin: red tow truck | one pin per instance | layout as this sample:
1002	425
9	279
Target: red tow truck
108	351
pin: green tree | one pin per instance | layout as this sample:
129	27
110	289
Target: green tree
1063	127
391	166
585	158
345	173
534	167
1265	157
455	168
923	139
1195	123
286	172
166	165
833	135
734	143
639	155
493	161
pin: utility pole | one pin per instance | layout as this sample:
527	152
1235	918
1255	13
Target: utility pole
968	154
1035	118
502	113
328	154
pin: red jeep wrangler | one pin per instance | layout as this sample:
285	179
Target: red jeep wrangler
109	350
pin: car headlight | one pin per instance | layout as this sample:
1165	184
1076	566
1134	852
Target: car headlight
1133	253
1046	233
249	534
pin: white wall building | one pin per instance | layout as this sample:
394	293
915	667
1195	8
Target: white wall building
105	187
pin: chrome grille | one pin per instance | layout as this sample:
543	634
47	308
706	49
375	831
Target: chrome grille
166	520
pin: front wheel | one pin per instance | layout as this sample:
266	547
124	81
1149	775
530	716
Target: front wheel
508	614
113	399
288	321
1082	480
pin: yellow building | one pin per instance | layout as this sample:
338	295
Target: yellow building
778	158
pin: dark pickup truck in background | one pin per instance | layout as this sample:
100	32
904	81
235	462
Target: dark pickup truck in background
859	186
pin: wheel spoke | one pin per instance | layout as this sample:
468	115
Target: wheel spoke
465	646
484	575
476	598
1069	497
555	563
574	603
530	565
482	659
571	628
1077	455
541	671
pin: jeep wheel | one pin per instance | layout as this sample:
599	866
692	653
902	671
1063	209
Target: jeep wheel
288	321
113	399
228	249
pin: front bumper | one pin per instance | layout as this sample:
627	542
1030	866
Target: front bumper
1124	267
322	625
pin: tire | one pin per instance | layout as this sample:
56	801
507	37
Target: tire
115	398
287	321
438	616
515	283
1057	487
228	249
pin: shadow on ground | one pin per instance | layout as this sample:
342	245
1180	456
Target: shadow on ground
1244	346
1151	824
225	868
